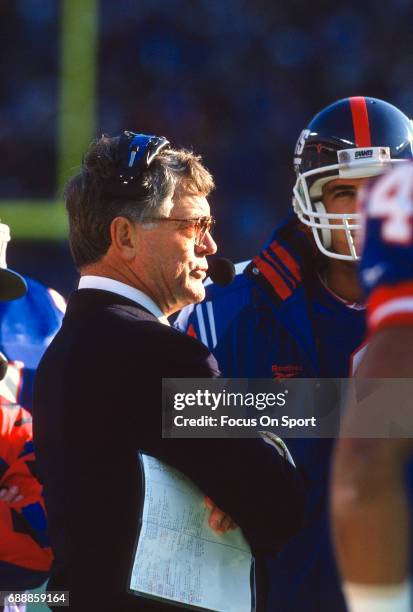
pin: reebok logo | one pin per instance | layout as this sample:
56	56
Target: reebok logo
286	371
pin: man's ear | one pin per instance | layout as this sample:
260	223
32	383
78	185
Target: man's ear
124	237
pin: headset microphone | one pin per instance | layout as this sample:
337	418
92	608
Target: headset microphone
221	271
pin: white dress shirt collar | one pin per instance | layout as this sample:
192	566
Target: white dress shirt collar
109	284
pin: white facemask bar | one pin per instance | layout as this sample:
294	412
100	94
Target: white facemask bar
305	209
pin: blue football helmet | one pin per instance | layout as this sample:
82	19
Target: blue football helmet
353	138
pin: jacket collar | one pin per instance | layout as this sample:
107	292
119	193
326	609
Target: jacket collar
139	297
289	259
85	301
282	273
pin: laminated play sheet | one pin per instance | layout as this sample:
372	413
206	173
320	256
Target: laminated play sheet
178	557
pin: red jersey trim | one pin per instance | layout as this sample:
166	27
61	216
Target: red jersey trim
390	305
289	262
273	277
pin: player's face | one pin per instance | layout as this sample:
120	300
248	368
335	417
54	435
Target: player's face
340	197
179	265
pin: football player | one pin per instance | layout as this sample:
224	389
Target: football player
30	315
369	501
296	310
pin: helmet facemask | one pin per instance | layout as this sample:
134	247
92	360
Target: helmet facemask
308	192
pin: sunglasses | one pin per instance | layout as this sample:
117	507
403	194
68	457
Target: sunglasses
199	225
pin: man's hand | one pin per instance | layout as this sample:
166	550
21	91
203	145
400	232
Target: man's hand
218	520
10	495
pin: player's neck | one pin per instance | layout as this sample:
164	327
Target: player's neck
341	278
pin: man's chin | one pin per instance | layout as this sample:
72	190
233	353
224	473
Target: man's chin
199	295
196	293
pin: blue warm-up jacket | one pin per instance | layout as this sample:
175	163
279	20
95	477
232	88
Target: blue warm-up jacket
262	325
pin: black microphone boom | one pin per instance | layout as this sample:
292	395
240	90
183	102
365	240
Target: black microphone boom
221	271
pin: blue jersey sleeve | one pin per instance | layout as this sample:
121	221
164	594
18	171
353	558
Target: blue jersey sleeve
209	320
27	326
387	230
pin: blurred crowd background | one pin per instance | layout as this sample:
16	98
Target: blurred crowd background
235	80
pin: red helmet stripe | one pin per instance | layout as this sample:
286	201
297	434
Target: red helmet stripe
360	121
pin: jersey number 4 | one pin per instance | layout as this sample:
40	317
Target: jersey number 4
391	199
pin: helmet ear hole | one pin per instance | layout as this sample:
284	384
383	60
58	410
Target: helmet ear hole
324	233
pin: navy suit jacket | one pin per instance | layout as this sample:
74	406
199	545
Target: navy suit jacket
97	402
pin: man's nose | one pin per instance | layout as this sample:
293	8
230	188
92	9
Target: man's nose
208	246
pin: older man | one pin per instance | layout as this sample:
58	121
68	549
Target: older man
140	234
